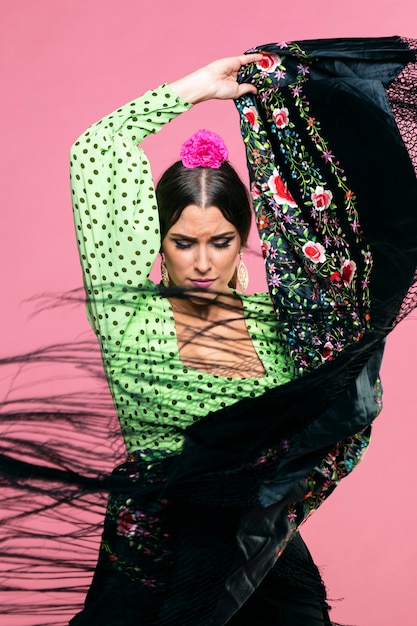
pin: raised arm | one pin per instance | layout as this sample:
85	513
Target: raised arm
114	203
113	198
216	80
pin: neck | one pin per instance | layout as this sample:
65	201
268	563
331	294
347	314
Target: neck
222	307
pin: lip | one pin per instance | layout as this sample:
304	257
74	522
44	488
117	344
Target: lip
203	283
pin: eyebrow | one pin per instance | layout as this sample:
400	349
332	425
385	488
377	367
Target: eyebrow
225	235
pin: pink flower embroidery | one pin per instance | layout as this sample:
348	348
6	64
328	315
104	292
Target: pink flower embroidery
348	270
204	149
280	117
280	191
321	198
314	251
269	62
250	114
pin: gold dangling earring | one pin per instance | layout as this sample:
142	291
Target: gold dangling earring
164	273
242	273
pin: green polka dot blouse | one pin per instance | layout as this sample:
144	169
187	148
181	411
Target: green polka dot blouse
117	226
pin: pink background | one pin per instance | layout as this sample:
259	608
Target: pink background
65	63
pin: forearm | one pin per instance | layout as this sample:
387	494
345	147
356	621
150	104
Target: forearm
113	197
217	80
135	120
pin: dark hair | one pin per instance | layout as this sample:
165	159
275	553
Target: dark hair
180	186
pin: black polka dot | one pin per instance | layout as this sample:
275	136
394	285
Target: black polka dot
117	221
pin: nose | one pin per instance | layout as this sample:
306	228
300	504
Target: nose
202	261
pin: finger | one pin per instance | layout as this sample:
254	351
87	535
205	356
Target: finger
246	88
252	57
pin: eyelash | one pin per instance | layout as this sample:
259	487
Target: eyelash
224	244
182	246
185	246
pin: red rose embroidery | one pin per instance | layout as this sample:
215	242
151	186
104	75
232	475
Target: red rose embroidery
126	523
314	251
250	114
265	245
280	191
280	117
255	192
269	62
321	198
348	270
327	350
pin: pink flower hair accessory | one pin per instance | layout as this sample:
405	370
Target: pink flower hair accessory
204	149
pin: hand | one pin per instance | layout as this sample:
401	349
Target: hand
216	80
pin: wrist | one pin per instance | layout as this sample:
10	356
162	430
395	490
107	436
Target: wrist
192	88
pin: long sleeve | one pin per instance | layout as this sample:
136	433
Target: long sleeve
117	225
114	203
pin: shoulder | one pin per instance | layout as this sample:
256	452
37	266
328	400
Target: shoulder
259	309
256	301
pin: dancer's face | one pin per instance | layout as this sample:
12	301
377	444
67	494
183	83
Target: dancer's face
200	251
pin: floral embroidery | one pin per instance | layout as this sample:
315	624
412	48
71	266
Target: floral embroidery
262	221
255	191
279	190
251	116
327	350
280	117
321	198
347	271
324	478
265	245
314	251
345	456
318	268
134	539
292	516
269	62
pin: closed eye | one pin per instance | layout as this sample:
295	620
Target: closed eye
225	243
218	241
182	245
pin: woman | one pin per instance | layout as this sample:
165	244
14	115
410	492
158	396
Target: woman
225	461
206	500
201	335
